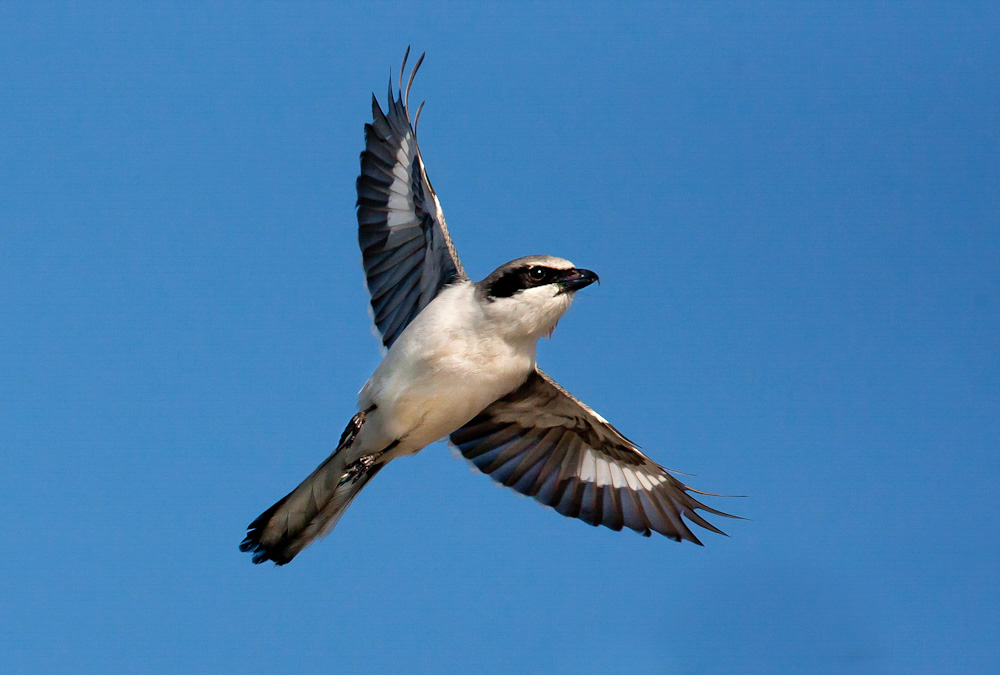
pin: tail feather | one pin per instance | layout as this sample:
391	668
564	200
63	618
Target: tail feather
313	508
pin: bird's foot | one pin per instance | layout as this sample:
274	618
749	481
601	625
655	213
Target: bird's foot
359	467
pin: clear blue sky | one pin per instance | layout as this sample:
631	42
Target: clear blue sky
795	212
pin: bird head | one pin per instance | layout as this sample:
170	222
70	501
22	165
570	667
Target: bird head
527	297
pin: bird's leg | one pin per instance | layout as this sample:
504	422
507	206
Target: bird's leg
354	427
358	468
364	464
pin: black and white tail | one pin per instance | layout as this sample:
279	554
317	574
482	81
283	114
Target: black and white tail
314	507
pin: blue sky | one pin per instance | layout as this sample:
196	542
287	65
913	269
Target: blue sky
794	210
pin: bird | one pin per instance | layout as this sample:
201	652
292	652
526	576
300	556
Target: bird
461	364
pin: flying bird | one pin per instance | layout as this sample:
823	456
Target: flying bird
461	364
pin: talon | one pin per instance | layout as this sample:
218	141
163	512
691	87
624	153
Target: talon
352	430
359	467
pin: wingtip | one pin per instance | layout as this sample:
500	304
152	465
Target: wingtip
707	494
402	68
409	84
416	122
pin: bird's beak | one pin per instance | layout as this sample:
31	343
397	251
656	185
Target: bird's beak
575	279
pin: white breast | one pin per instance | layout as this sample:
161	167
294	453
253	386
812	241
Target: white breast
447	366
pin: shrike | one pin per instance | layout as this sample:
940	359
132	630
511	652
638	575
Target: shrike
461	363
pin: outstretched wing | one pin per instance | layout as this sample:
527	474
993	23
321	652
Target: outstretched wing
543	442
407	253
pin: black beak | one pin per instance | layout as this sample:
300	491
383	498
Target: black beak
575	279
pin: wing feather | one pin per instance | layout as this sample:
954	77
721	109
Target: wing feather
543	442
407	253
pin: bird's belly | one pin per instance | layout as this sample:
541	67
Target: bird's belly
420	400
424	416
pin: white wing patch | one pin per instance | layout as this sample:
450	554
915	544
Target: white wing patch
401	191
588	467
603	472
617	477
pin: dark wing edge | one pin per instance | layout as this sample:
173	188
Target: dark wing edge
545	443
407	253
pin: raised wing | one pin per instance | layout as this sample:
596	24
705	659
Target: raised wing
407	253
543	442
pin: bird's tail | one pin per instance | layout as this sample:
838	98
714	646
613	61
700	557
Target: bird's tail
314	507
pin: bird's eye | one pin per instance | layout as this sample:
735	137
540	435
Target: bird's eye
537	273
